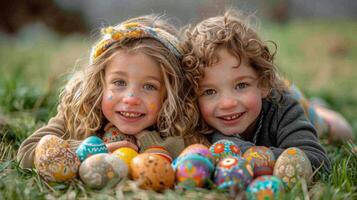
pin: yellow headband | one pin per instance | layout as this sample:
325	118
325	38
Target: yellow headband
134	30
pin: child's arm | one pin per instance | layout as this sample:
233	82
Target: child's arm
174	145
55	126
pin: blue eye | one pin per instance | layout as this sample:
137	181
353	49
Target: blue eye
120	83
241	86
150	87
209	92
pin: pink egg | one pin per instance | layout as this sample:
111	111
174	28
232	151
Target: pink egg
199	149
262	160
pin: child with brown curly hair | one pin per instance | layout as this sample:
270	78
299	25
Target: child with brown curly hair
239	93
133	84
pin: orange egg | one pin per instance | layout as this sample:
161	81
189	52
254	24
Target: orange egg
54	160
152	171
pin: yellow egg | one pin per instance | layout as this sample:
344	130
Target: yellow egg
54	160
292	165
152	171
126	154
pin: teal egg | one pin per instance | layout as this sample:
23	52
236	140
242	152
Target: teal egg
90	146
265	187
224	148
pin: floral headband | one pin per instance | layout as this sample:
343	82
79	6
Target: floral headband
134	30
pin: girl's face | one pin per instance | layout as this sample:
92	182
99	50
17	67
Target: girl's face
133	92
229	97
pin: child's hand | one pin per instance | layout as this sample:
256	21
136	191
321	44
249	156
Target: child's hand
116	145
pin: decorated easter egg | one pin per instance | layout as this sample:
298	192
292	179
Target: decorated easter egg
126	154
199	149
193	170
152	171
54	160
100	169
224	148
291	165
90	146
233	172
262	160
112	134
265	187
159	150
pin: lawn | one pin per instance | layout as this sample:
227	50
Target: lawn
319	56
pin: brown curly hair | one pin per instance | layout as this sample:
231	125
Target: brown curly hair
80	103
232	32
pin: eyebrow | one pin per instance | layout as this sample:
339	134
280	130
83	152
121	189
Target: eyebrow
125	74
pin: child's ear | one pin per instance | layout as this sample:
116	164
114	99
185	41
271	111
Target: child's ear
265	92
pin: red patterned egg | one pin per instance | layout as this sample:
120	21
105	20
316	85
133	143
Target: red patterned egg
54	160
224	148
159	150
199	149
100	169
152	171
193	170
233	172
291	165
262	160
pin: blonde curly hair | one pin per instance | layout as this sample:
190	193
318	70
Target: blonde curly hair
81	98
232	32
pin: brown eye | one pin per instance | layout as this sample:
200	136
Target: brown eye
120	83
209	92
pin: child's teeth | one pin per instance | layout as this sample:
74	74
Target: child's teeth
231	117
131	115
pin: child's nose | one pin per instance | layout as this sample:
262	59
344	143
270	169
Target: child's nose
131	100
226	103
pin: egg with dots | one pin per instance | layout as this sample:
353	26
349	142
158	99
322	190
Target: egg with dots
224	148
159	150
54	160
262	160
233	172
126	154
199	149
90	146
112	134
152	171
193	170
103	168
292	165
265	187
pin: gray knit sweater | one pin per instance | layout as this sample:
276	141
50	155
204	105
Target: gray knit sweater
283	125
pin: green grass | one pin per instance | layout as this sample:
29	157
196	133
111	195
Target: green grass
319	56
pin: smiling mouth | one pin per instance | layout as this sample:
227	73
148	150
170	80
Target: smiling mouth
231	117
131	114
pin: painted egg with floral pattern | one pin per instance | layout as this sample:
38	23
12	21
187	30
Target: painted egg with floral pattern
291	165
90	146
161	151
100	169
152	171
199	149
233	172
112	134
193	170
126	154
262	160
224	148
265	187
54	159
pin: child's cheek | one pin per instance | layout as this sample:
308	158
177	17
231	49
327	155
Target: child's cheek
107	105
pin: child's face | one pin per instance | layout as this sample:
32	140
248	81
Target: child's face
229	97
133	92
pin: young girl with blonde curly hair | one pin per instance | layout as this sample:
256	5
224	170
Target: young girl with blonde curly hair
133	84
239	92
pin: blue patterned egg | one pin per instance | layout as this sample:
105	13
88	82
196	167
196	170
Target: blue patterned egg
90	146
193	170
262	160
293	165
233	172
265	187
100	169
224	148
